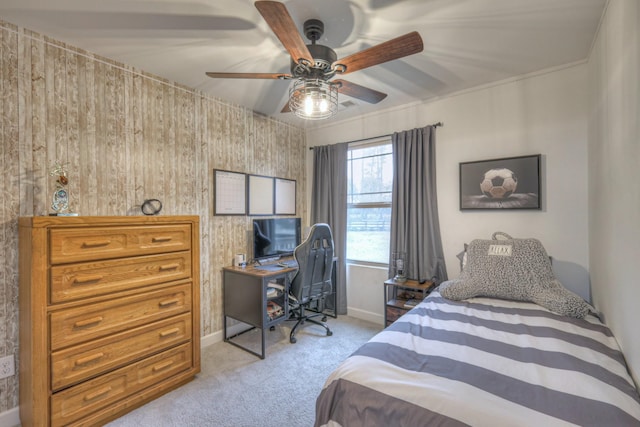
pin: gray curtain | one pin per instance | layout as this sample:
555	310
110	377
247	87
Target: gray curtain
329	205
415	228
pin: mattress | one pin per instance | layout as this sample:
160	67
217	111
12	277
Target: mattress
483	362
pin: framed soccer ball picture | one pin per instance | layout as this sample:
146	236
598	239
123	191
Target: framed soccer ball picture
508	183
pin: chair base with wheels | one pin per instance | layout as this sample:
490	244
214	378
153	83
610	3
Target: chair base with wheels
301	316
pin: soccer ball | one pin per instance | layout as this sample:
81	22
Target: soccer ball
499	183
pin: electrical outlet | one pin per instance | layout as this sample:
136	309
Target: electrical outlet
7	368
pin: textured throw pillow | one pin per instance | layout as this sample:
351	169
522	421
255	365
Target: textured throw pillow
513	269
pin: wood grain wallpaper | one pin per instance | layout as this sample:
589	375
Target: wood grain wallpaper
126	136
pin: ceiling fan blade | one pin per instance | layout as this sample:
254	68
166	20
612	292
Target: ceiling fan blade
275	76
281	23
286	108
356	91
393	49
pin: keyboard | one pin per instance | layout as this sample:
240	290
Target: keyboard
290	263
270	267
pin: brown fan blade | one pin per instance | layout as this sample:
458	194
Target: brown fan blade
393	49
286	108
356	91
281	23
275	76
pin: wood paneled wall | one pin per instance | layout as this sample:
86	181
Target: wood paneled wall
126	136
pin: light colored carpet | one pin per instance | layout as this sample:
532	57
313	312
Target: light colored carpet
237	389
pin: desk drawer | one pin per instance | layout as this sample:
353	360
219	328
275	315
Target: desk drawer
76	402
76	325
83	361
93	243
75	281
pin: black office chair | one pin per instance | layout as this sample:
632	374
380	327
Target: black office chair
312	282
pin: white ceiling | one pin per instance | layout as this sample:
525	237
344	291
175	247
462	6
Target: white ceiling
466	42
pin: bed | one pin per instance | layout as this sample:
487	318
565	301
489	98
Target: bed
483	361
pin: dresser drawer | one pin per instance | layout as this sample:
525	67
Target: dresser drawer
94	243
76	402
75	281
83	361
76	325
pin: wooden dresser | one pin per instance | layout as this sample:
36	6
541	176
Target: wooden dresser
109	314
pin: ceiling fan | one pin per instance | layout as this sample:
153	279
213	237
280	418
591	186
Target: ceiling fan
314	94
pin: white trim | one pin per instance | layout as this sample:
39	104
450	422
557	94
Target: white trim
414	104
371	142
210	339
10	418
217	337
597	34
365	315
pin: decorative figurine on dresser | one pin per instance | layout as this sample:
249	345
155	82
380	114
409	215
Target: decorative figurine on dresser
109	314
60	197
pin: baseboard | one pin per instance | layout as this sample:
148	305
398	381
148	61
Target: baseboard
210	339
365	315
232	330
10	418
215	337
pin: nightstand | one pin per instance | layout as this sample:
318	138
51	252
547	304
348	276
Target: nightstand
400	297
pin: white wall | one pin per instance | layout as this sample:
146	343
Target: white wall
614	174
366	297
544	113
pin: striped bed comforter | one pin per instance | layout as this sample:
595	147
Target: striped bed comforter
482	362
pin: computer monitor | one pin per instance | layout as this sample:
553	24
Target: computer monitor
275	237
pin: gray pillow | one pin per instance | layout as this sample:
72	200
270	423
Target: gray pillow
513	269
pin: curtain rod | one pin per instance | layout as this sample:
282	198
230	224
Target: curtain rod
435	125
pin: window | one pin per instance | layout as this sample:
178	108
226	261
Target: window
369	181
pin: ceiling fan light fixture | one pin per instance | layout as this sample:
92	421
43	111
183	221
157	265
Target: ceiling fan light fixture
312	96
313	99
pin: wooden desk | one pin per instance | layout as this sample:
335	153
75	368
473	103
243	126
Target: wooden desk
245	299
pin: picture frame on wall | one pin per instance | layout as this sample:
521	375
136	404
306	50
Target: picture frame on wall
229	193
261	198
285	196
505	183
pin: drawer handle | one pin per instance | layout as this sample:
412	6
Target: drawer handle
87	322
173	331
166	267
162	366
89	359
89	278
96	243
161	239
97	393
168	302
